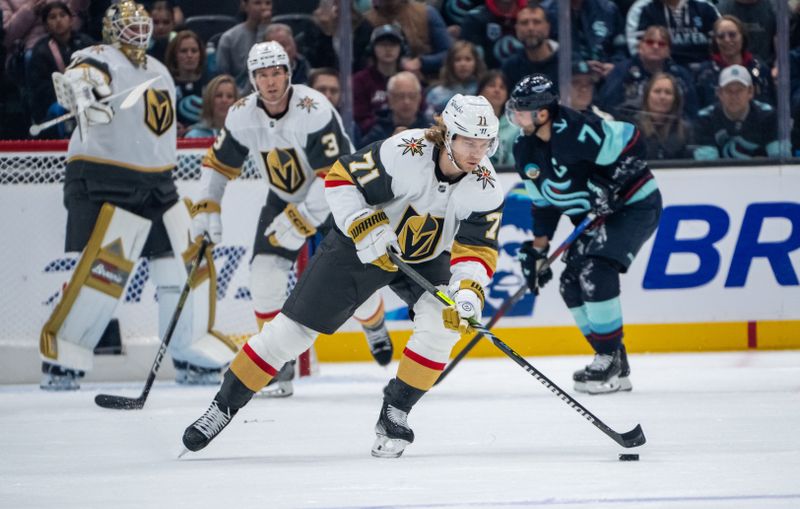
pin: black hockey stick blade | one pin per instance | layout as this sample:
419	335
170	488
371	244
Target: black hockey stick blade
118	402
633	438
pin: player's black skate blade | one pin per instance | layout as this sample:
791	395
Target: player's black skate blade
380	344
206	428
118	402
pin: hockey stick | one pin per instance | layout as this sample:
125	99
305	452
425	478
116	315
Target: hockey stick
132	95
511	301
632	438
124	403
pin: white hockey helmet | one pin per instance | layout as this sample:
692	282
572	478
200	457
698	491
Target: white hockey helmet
267	54
471	116
128	26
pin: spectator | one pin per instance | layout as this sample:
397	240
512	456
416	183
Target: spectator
405	112
163	30
730	47
462	69
326	81
494	88
235	43
666	133
598	32
737	127
174	6
491	27
690	23
455	12
758	18
218	96
52	54
322	46
539	53
23	25
424	31
369	85
283	35
584	78
186	60
622	93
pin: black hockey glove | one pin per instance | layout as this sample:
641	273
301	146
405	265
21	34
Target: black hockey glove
532	260
604	195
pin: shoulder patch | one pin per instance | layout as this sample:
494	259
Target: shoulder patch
240	103
307	103
412	146
484	176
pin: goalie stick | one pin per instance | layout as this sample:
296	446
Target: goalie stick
132	95
511	301
125	403
632	438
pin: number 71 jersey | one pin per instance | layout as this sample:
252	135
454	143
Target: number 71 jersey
290	151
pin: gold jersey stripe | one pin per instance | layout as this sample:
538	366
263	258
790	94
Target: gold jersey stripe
487	255
127	166
416	375
252	376
338	173
210	160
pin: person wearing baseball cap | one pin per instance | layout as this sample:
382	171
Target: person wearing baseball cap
386	48
736	127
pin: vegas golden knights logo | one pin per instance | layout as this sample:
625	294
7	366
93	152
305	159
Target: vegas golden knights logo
418	235
283	169
158	113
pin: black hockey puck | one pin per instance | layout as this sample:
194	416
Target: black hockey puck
629	457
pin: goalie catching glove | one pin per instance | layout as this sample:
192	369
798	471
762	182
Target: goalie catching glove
468	301
80	90
290	228
373	235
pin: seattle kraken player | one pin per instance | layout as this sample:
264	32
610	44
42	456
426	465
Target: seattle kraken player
574	164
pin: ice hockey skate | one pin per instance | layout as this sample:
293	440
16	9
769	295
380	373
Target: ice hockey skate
281	386
189	374
57	378
606	374
380	343
204	429
393	433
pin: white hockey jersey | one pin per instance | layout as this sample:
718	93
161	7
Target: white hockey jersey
429	213
141	138
290	151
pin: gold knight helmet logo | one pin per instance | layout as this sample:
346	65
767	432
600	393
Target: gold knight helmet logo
418	235
283	169
158	113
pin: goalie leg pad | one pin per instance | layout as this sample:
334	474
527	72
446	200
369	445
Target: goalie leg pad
194	341
269	280
262	357
78	321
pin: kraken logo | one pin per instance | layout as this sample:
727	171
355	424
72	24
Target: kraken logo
571	203
158	113
283	169
419	235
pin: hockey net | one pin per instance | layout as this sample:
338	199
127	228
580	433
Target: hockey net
34	267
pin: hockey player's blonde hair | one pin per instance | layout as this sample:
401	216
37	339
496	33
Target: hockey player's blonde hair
437	133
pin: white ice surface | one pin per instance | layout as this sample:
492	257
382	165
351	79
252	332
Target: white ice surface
722	432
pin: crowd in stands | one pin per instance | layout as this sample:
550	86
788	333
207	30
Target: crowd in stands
698	77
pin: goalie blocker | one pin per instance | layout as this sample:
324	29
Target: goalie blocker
116	242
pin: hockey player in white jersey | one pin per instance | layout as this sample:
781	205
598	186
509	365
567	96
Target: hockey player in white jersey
433	196
296	135
122	204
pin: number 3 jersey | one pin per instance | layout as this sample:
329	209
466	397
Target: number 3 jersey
429	212
290	150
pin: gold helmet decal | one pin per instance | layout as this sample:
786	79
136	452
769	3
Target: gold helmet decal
158	113
283	169
419	235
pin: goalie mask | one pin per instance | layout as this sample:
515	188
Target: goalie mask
128	26
470	116
264	55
